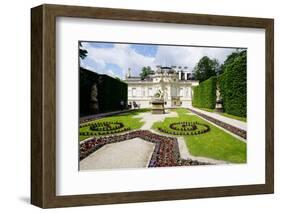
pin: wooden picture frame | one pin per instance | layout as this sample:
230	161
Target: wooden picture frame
43	105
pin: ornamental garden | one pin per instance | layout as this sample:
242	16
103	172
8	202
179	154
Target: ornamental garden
205	127
202	138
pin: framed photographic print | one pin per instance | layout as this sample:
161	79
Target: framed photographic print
137	106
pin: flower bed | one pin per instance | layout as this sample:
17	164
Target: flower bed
240	132
189	162
185	128
104	128
166	152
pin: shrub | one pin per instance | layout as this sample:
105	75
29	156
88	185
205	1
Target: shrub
233	85
110	92
204	95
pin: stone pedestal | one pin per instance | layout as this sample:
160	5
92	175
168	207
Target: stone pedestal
219	101
219	106
158	107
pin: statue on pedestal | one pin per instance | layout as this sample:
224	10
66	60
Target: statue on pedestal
94	104
158	102
219	101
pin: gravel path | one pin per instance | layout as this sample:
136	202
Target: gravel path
239	124
134	153
148	118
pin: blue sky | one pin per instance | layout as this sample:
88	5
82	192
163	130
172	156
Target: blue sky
114	59
146	50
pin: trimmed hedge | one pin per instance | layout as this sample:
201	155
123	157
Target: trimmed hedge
87	79
233	86
204	95
111	92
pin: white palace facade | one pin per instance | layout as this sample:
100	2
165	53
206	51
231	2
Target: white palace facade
174	82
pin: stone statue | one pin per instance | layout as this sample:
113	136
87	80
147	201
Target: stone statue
159	94
219	101
94	103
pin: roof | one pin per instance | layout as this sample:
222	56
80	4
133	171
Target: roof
137	78
166	67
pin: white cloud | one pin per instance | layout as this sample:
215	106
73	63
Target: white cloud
188	56
121	55
125	57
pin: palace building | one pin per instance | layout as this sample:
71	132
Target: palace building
175	83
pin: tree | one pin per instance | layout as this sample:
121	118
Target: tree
206	68
233	84
145	71
119	79
230	58
220	69
82	52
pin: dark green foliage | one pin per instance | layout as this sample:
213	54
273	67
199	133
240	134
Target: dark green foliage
87	79
220	69
204	95
228	61
185	128
206	68
111	92
145	72
82	52
233	84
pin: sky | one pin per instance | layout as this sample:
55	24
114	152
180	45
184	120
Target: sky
114	59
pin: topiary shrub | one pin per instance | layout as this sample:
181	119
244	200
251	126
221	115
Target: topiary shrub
233	85
204	95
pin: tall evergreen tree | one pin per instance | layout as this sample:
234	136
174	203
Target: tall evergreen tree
82	52
230	58
233	84
206	68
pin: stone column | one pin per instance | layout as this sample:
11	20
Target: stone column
179	75
185	75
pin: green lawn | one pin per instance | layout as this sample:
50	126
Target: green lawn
125	118
181	111
216	143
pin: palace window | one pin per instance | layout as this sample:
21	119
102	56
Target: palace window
139	92
134	92
181	92
173	91
188	92
143	92
150	92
